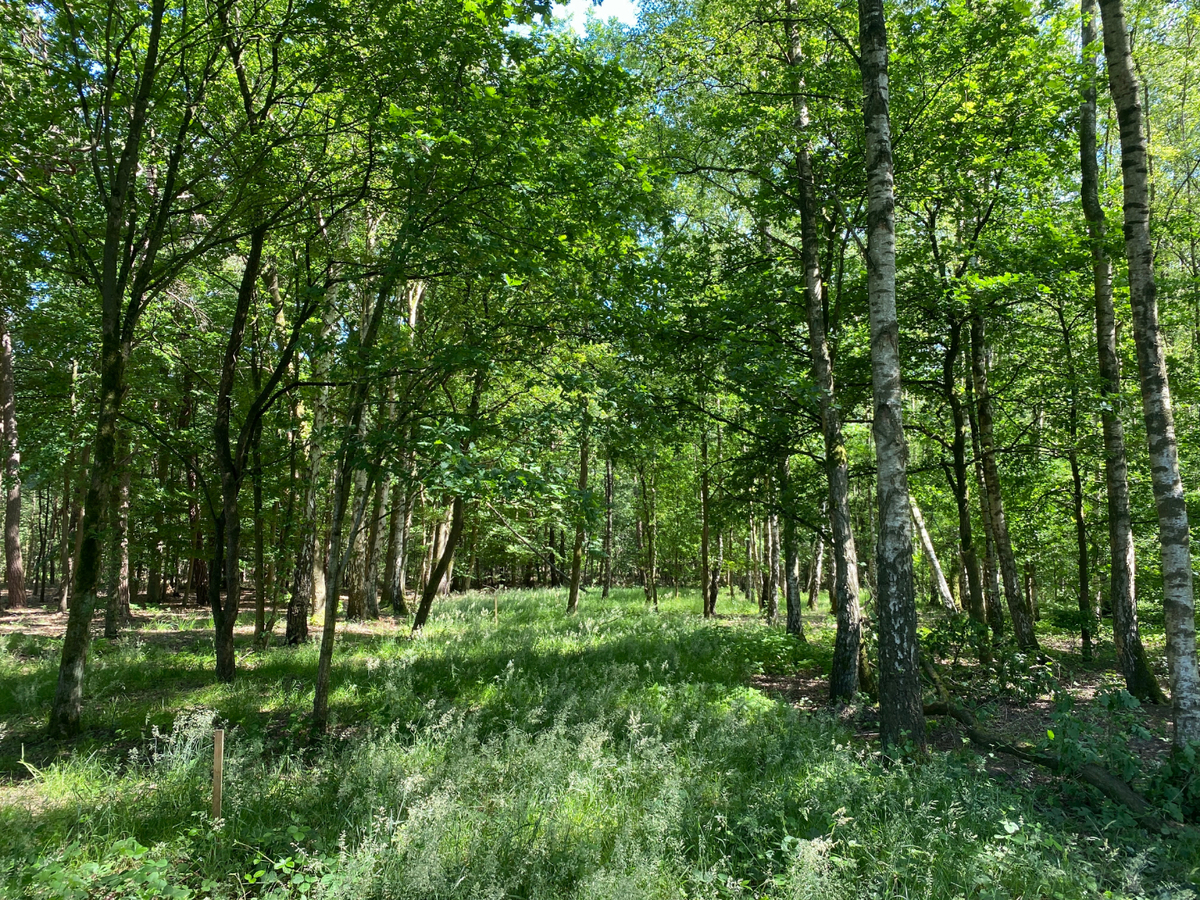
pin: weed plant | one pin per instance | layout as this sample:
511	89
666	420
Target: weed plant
618	754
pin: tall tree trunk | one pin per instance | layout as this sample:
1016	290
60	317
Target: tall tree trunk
815	571
960	477
772	609
374	545
117	611
704	525
900	712
714	579
1139	679
441	565
67	707
13	566
1021	618
991	567
72	508
608	524
1179	603
791	554
1083	575
309	565
845	676
577	552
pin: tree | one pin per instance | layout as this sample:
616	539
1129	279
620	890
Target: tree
1169	500
901	717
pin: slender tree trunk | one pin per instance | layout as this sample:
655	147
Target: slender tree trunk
815	571
1084	592
14	568
844	678
441	565
1021	618
714	579
396	557
960	478
1139	679
991	568
117	611
72	509
773	564
1178	599
375	549
577	552
941	588
791	567
900	712
608	524
704	526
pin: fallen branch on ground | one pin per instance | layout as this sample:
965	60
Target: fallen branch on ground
1116	789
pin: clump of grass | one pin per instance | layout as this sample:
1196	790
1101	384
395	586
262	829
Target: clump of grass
618	754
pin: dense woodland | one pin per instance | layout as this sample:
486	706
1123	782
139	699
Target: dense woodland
452	374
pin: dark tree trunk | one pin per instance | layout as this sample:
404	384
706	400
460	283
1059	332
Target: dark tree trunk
1021	618
13	565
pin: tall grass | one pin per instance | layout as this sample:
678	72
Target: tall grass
619	754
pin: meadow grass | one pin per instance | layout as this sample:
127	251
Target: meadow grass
621	753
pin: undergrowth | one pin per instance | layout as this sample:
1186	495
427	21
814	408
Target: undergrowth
618	754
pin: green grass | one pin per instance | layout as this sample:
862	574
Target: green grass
618	754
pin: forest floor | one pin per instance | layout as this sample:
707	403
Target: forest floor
621	753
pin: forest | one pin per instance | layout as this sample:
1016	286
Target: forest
745	453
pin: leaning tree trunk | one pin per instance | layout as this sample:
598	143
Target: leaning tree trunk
14	569
1021	618
845	675
1139	679
577	551
1169	499
900	713
941	588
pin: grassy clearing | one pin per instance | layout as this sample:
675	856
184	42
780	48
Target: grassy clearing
618	754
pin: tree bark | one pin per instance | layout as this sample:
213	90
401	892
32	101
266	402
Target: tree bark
939	578
901	717
1139	679
705	593
577	551
608	524
13	566
1021	618
117	611
960	477
1159	417
844	678
308	559
772	609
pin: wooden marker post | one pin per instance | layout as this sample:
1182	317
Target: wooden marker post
218	769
